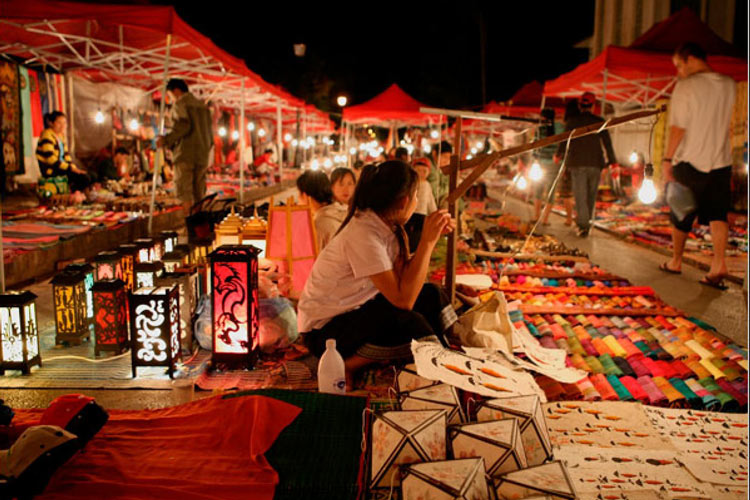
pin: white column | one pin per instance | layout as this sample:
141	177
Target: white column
157	163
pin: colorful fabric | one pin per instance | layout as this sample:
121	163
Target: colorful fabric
655	396
10	121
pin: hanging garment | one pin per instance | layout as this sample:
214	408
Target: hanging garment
26	126
44	96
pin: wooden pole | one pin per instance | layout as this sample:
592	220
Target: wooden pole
157	163
279	140
450	264
2	251
243	133
482	162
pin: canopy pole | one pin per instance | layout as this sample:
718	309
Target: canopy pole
450	263
279	139
243	133
296	148
304	137
157	162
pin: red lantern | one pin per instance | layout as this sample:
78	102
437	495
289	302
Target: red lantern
155	327
234	302
108	266
111	316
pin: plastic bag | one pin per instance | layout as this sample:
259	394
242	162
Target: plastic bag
202	323
278	324
680	200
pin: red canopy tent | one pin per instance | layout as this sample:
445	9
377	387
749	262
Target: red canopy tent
642	73
392	107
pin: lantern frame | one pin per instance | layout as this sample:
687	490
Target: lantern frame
170	240
152	268
28	331
88	271
183	281
234	277
117	306
146	250
128	258
111	260
159	246
476	477
201	250
71	312
512	443
173	260
407	379
434	397
155	340
187	248
534	485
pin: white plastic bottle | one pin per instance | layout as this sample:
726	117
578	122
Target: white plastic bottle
331	372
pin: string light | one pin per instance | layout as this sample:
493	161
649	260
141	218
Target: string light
522	183
480	145
314	165
295	142
647	192
235	135
536	173
633	158
250	126
434	134
341	100
222	132
426	148
99	117
134	125
352	151
473	151
287	137
262	132
327	163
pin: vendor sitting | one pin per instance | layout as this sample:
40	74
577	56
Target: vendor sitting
115	167
53	155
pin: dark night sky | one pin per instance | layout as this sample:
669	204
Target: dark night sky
431	49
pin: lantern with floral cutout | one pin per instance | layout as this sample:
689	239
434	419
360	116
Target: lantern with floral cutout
155	327
439	396
550	479
111	318
446	480
187	305
128	258
146	249
108	266
19	334
88	272
170	240
71	318
146	273
499	443
234	304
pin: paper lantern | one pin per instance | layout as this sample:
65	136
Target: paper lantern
234	304
88	272
439	396
155	327
550	479
404	437
71	314
111	318
407	379
146	273
445	480
291	242
160	243
254	232
108	266
499	443
173	260
228	231
19	334
170	240
146	250
128	258
528	410
187	304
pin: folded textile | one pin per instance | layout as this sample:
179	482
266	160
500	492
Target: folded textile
655	396
580	363
602	347
730	369
624	366
709	401
603	387
575	346
636	363
728	403
622	393
634	388
594	364
741	397
697	368
552	388
666	369
589	347
610	368
615	346
695	401
681	369
589	391
675	398
629	347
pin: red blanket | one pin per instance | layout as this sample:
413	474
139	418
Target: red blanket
212	448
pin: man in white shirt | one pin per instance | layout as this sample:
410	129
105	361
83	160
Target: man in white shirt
698	147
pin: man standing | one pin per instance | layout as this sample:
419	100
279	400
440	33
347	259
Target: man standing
700	114
190	140
586	161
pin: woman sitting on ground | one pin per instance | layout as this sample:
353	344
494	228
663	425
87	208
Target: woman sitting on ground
53	155
365	289
315	190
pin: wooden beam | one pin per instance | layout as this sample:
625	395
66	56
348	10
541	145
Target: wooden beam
450	261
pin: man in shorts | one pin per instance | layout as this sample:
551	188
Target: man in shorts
698	154
190	140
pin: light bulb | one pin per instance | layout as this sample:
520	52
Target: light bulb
746	171
479	145
222	132
341	100
99	117
327	163
250	126
536	173
403	142
434	134
314	165
522	183
262	132
235	135
469	157
352	151
473	151
426	148
306	145
295	142
647	193
633	157
410	148
133	125
287	137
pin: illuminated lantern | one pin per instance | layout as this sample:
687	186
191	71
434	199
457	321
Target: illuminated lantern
170	240
146	273
550	480
160	242
19	335
108	266
194	283
234	304
187	249
404	437
172	260
71	318
128	258
528	411
146	249
111	318
201	250
228	231
447	480
407	379
499	443
439	396
254	232
88	272
187	304
155	328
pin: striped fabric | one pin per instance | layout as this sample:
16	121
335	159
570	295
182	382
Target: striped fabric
48	155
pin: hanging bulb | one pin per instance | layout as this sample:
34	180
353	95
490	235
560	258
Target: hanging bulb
314	165
473	151
426	149
327	163
262	132
633	158
536	173
99	117
250	126
352	151
295	142
647	192
134	125
434	134
235	135
479	145
222	132
287	137
522	183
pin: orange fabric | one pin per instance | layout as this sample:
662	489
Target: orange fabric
212	448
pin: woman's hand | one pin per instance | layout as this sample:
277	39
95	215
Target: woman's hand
436	225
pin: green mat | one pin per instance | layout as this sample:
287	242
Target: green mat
318	455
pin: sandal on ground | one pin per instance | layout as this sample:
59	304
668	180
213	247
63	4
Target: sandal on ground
714	281
664	266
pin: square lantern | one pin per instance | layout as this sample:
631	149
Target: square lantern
108	266
146	250
234	304
187	305
447	480
155	327
191	271
201	249
254	232
19	334
88	272
170	240
407	379
229	230
528	410
128	258
404	437
499	443
71	313
187	249
146	273
160	243
551	480
172	260
439	396
111	318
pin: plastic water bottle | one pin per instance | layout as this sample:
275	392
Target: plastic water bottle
331	373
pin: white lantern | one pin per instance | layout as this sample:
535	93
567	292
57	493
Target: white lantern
407	379
551	480
439	396
499	443
445	480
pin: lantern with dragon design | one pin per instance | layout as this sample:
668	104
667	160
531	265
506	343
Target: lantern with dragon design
234	303
111	316
19	334
155	328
